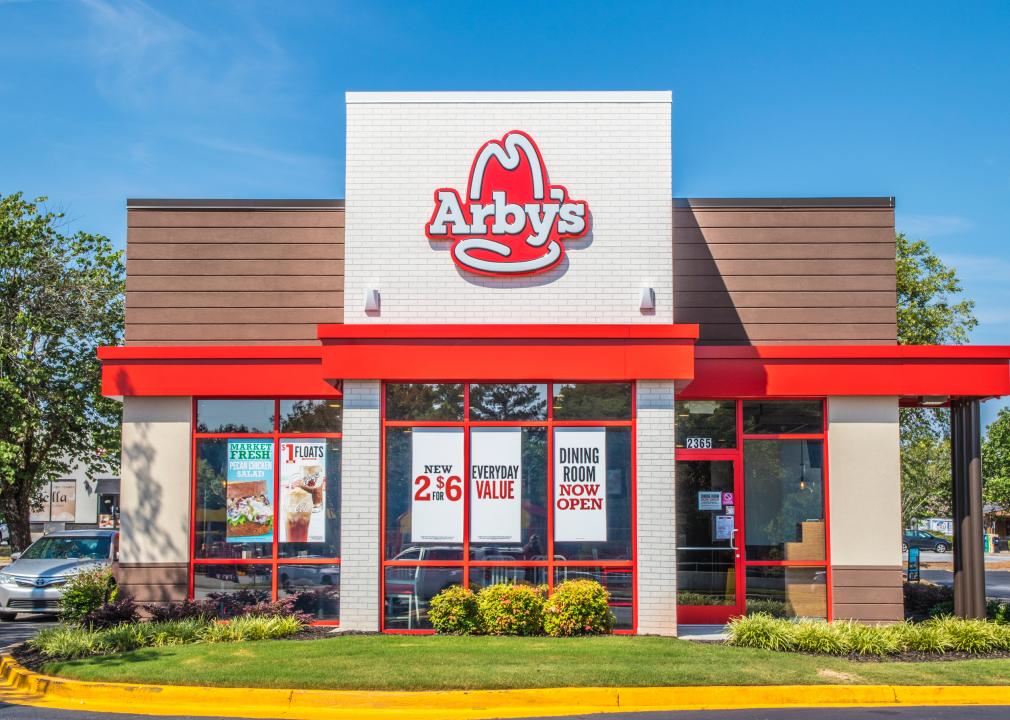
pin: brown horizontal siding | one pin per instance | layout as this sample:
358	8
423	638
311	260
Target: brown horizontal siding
155	583
235	218
786	275
233	276
869	594
235	299
768	299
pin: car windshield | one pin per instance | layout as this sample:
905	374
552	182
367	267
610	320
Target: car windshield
69	548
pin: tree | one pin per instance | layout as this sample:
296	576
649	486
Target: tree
62	298
931	311
996	461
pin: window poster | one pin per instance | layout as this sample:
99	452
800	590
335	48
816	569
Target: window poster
496	484
436	500
250	491
709	500
723	527
580	484
303	490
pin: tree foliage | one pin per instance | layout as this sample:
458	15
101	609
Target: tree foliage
931	311
996	461
62	298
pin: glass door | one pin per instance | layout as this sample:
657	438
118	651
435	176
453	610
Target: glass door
709	578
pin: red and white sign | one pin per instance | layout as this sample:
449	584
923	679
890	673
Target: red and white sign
580	484
436	507
496	470
511	220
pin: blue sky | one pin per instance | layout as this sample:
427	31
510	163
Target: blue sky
102	100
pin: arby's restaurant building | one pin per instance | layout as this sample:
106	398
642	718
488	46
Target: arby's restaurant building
511	354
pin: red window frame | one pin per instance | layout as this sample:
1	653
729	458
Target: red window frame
274	562
551	565
736	454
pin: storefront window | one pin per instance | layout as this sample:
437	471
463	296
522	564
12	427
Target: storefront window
705	424
783	417
266	491
503	489
592	401
512	401
424	401
235	416
784	499
787	591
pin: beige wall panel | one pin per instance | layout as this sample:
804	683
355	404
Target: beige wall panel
236	218
861	217
864	478
155	480
251	235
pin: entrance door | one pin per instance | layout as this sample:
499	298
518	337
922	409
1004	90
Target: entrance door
709	581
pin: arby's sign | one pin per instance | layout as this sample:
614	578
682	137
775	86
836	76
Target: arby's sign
510	219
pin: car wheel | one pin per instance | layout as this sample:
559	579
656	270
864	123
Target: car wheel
904	547
940	547
7	617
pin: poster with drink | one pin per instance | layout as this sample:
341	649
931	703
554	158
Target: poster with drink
303	490
580	484
496	461
436	492
250	491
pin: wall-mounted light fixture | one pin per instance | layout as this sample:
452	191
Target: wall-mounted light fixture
372	301
648	301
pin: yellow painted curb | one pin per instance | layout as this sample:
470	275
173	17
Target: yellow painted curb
22	686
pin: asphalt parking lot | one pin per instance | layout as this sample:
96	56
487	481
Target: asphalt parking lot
12	633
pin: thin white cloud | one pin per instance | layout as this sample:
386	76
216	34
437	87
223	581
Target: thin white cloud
930	226
979	267
146	60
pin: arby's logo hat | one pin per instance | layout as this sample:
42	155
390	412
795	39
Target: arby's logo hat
511	220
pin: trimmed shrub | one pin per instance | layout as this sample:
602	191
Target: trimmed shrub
85	592
578	607
117	612
511	610
454	612
921	599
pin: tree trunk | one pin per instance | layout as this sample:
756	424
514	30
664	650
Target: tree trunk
16	504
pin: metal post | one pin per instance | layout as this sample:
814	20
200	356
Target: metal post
966	475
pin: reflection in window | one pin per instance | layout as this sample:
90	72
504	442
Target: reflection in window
423	401
408	593
316	589
252	580
783	417
787	592
592	401
617	581
512	401
481	577
234	416
321	416
784	491
705	424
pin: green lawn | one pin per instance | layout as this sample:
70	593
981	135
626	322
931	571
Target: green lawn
390	662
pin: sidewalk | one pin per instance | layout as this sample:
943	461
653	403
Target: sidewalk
21	686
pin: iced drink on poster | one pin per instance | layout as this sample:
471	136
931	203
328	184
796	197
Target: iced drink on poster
303	489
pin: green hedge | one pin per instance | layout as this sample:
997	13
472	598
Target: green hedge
937	635
577	607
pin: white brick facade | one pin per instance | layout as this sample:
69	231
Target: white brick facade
359	511
656	508
610	149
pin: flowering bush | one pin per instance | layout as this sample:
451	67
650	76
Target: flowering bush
454	612
578	607
511	610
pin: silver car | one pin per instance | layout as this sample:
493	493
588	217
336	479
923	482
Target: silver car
33	582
